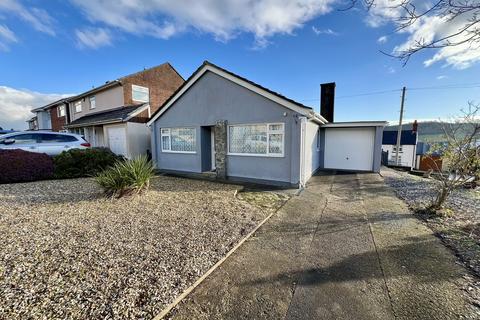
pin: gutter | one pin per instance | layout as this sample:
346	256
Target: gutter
312	115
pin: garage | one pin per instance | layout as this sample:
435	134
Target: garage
117	139
352	146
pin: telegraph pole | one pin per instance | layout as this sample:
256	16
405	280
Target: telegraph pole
399	133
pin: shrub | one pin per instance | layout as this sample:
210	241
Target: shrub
78	163
126	177
23	166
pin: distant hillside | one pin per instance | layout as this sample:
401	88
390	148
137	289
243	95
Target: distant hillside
430	131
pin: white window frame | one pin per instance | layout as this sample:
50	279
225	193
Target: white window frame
140	88
269	132
94	100
76	104
169	135
59	114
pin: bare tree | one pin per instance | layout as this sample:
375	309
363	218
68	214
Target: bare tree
460	152
464	15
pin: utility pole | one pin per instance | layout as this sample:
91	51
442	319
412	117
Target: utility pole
399	133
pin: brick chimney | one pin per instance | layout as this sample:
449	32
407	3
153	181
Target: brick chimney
327	100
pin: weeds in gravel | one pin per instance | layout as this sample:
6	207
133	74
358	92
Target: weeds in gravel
126	177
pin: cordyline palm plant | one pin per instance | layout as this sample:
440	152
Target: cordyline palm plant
126	177
461	153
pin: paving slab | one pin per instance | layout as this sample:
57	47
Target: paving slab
345	248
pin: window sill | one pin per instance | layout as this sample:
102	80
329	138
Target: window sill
257	155
181	152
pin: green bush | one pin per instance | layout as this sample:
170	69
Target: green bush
126	177
78	163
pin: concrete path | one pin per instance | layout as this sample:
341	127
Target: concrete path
346	248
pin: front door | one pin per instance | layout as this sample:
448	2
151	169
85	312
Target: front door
212	147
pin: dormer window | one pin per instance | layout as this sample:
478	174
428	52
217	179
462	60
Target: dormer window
140	94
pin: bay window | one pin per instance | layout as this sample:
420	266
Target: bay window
181	140
265	139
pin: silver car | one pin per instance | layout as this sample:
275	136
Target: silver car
51	143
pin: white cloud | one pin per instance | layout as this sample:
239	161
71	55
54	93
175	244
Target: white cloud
15	105
441	77
382	39
93	38
224	19
324	31
39	19
6	36
427	29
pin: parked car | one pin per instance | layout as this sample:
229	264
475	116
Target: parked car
51	143
2	131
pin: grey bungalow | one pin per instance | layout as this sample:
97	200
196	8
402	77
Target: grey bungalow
218	121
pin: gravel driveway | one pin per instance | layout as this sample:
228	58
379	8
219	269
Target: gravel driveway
68	253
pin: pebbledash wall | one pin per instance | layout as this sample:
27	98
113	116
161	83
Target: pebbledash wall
213	99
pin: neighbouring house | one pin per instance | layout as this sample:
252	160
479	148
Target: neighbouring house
114	115
407	150
32	123
220	122
52	116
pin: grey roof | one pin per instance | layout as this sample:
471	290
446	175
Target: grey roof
52	104
113	115
206	63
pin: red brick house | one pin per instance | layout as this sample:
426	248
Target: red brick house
114	114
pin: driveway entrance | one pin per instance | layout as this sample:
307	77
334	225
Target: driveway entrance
346	248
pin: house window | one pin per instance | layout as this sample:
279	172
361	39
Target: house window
61	111
92	102
256	139
140	94
181	140
400	149
78	106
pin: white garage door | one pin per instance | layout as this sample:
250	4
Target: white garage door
349	148
117	140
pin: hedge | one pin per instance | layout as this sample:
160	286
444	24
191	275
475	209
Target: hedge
22	166
78	163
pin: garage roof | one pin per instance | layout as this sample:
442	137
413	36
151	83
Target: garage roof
114	115
355	124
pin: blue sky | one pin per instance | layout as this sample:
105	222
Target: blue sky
61	47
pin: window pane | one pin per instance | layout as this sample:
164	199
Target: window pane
275	127
182	139
61	111
25	139
92	102
78	106
140	93
276	143
165	143
248	139
55	138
